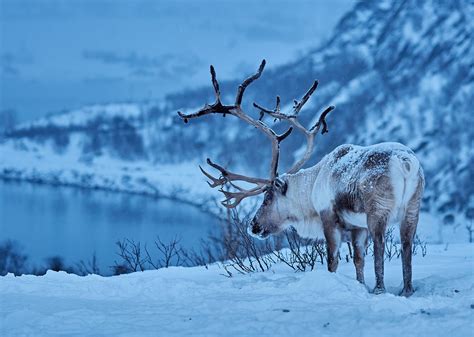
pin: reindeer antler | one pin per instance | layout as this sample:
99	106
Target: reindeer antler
228	177
236	110
293	120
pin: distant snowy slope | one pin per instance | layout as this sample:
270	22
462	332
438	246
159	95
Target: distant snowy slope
396	71
201	302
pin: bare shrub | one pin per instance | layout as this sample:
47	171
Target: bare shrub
169	254
302	254
12	260
132	259
86	268
56	263
419	244
232	248
393	247
119	269
244	254
201	257
470	231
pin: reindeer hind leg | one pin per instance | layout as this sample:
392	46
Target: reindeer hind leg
333	237
359	244
377	225
407	234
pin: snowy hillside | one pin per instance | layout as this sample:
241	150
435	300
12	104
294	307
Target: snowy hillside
201	302
396	71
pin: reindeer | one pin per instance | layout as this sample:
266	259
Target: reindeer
352	192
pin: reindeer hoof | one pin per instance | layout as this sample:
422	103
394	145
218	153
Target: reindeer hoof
379	290
407	292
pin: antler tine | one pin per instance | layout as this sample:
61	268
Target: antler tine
230	176
239	196
277	106
285	134
305	98
310	136
215	84
292	119
247	82
276	151
263	110
216	107
322	121
215	181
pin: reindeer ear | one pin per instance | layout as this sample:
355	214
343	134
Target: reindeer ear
280	185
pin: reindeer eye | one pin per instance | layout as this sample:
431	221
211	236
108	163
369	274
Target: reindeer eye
281	185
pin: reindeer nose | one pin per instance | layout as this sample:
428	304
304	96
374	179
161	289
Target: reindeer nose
255	227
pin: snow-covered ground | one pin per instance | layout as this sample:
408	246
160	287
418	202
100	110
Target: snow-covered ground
201	302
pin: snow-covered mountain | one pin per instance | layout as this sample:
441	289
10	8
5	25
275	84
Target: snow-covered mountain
396	71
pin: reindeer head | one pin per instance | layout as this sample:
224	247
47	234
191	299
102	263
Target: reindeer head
273	212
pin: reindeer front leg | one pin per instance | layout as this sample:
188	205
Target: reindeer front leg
333	239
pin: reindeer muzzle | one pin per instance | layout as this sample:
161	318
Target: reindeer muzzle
257	231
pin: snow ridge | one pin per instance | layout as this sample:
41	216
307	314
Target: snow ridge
196	301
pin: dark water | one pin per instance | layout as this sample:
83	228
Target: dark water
76	223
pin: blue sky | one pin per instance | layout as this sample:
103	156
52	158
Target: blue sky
57	54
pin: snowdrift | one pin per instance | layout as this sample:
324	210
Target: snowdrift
202	302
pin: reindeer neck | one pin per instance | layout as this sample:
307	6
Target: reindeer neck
300	187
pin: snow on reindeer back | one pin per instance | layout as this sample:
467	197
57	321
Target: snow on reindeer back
351	163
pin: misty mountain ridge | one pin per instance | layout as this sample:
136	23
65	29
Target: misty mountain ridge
396	71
